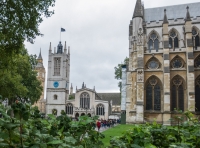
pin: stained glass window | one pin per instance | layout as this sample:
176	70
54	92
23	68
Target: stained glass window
153	95
197	98
100	110
153	43
177	63
173	40
197	62
85	101
69	109
177	94
149	97
195	38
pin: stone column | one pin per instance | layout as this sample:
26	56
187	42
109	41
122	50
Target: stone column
190	67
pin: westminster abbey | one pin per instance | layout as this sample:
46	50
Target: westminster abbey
163	74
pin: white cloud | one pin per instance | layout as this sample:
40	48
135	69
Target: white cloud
97	32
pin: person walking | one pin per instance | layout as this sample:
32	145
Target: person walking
98	125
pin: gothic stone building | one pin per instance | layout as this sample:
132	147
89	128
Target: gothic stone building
58	79
163	73
87	101
41	103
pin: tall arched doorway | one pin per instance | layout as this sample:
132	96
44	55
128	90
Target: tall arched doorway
83	114
197	94
89	115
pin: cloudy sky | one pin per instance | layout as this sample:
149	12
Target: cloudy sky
97	33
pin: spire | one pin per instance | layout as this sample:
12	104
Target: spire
71	86
138	9
40	56
165	20
187	15
94	88
65	48
83	85
50	46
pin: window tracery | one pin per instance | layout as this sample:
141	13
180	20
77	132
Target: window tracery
173	40
69	109
57	62
177	62
153	95
197	94
177	94
197	62
153	43
85	101
100	110
195	38
153	64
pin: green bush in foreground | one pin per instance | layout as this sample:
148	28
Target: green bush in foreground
186	134
22	127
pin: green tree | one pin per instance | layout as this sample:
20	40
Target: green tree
19	79
19	20
118	72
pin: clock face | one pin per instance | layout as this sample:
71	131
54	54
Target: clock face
56	84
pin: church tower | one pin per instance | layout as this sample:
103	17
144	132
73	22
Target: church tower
41	103
58	79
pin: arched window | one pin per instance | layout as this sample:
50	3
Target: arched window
153	63
197	94
85	101
173	40
177	94
153	95
55	97
177	63
197	62
69	109
195	38
153	43
54	112
100	110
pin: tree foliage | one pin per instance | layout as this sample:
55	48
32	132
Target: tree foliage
19	79
19	20
185	134
28	129
118	71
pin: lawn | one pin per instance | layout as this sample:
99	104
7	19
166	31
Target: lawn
115	131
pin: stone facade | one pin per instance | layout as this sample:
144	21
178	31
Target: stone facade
163	74
58	79
87	101
41	103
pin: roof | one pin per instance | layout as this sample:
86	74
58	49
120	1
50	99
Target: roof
173	12
115	97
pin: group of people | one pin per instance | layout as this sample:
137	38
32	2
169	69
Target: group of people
106	123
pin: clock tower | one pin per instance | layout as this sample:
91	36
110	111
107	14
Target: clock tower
58	79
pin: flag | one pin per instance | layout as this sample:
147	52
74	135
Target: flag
62	30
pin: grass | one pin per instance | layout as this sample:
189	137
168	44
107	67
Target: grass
115	131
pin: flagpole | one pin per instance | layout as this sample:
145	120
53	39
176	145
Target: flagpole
60	35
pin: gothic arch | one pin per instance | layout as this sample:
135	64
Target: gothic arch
159	81
69	109
154	31
195	27
85	100
177	90
153	59
100	109
153	94
197	61
153	41
197	94
174	42
177	57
